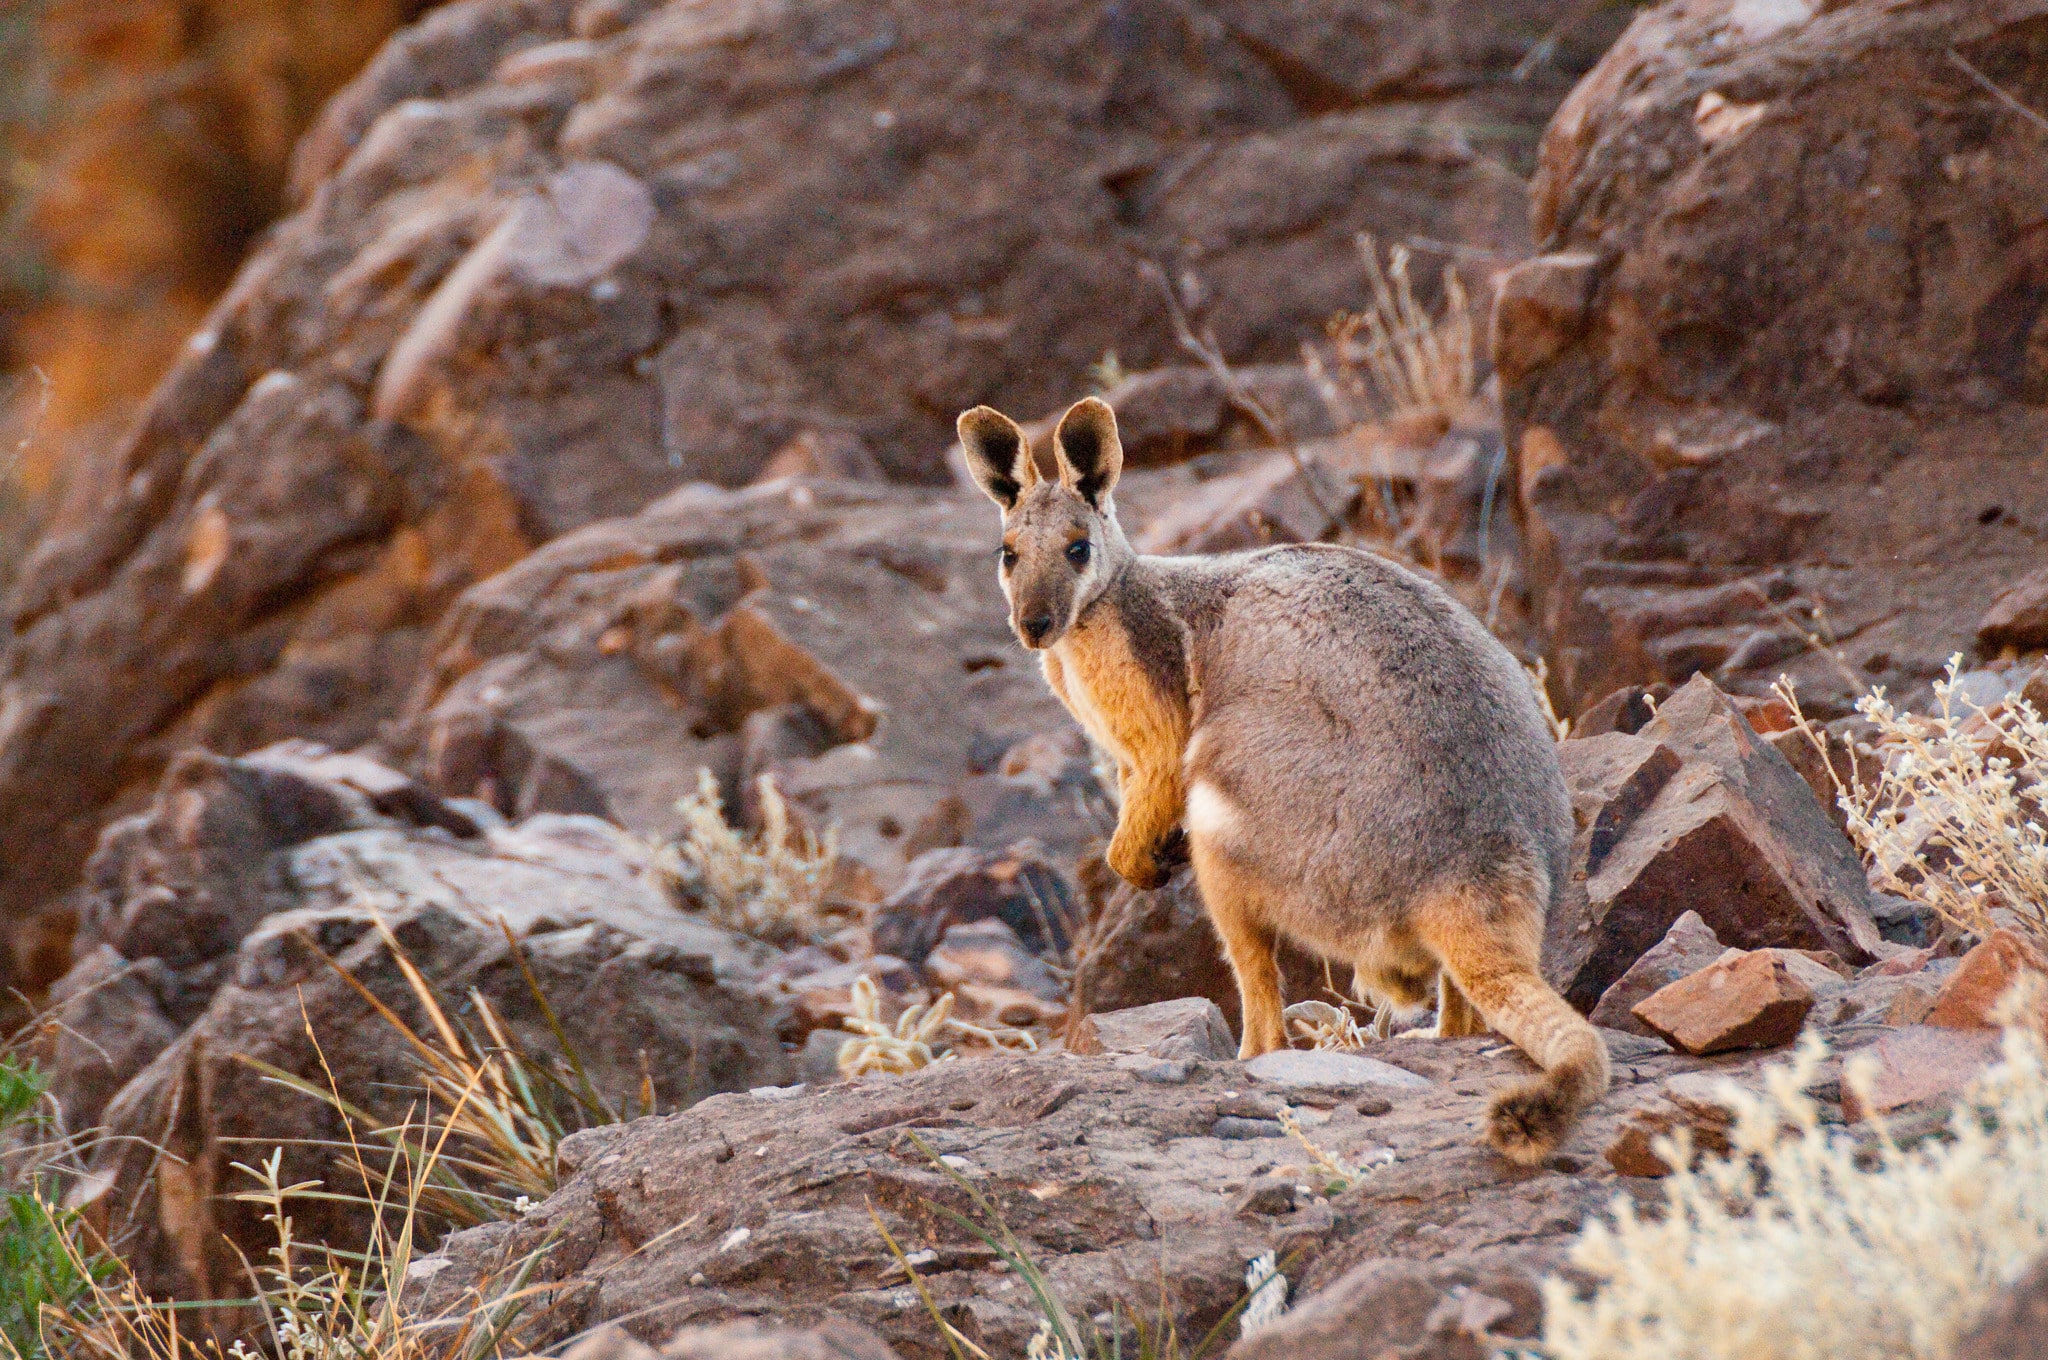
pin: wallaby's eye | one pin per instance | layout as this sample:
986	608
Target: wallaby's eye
1077	552
1006	555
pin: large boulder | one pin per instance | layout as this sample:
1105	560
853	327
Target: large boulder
1776	382
239	924
554	259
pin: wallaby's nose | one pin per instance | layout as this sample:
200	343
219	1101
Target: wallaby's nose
1037	626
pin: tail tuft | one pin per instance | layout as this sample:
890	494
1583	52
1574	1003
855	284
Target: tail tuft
1526	1123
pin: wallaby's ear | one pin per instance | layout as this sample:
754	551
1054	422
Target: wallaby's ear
997	454
1087	449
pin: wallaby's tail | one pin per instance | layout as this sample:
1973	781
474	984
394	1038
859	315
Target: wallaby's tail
1489	946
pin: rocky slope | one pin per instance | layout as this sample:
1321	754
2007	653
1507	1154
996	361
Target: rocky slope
1775	383
555	259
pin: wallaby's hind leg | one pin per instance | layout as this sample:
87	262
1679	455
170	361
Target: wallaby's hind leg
1248	942
1489	949
1456	1017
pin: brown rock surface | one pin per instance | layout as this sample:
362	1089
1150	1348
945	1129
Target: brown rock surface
1746	1000
2019	616
1734	834
849	640
1917	1066
546	270
1692	1102
1192	1027
1971	996
210	923
1763	411
1114	1181
1685	949
2015	1325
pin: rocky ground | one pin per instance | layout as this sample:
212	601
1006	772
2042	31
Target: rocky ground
584	428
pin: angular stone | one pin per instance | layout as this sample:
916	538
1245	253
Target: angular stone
947	888
1685	949
1691	1101
1625	710
1745	1000
989	953
1540	307
1915	1066
1970	998
1191	1027
1331	1070
1612	779
2019	616
1735	834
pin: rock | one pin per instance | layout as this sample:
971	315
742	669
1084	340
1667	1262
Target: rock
1443	1310
1110	1183
538	278
847	641
1733	834
1625	710
1690	1101
988	952
1685	949
2015	1324
943	889
1269	500
2019	617
224	923
1918	1067
824	999
1750	446
1331	1070
832	1339
609	1343
1192	1027
1745	1000
1970	998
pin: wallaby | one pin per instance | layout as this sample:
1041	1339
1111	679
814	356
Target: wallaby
1359	765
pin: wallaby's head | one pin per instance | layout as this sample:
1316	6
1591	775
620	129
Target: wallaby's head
1061	543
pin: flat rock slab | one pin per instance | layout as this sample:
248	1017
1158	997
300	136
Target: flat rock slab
1331	1071
1918	1066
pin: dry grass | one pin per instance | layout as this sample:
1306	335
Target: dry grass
1395	360
906	1046
1954	815
1333	1028
1805	1243
494	1111
772	886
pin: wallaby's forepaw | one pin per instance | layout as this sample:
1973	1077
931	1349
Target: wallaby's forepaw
1142	866
1527	1123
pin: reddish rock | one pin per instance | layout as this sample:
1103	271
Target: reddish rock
1192	1027
947	888
2019	617
1765	435
1685	949
1734	834
2014	1326
832	1339
988	953
1690	1101
1625	710
1746	1000
1916	1066
1970	998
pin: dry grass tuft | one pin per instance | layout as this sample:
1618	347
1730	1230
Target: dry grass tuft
1394	360
906	1045
772	886
1955	815
1324	1026
1806	1242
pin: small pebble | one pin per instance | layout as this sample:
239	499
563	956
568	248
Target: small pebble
1373	1105
1237	1128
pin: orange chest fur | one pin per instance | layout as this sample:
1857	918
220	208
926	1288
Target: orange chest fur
1095	674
